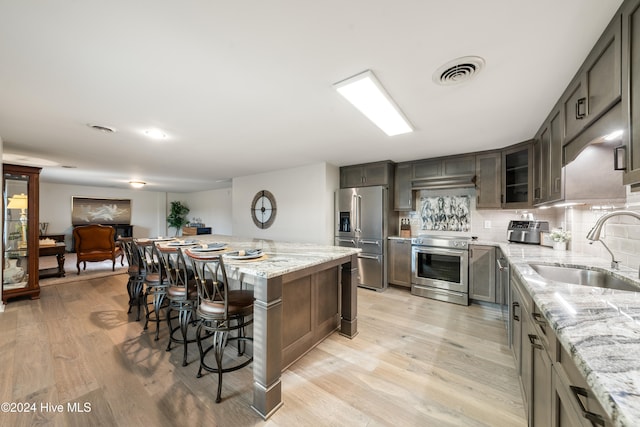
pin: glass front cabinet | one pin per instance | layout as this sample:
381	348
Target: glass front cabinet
20	195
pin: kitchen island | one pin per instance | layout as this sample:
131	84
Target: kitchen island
303	293
597	327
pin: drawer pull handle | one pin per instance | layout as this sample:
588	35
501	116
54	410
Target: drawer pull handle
515	305
534	344
537	317
595	419
581	108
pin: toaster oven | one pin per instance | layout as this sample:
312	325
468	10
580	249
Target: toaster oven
526	231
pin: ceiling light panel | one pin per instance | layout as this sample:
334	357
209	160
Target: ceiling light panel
368	95
155	134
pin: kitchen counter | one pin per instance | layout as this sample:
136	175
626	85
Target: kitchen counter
599	328
292	281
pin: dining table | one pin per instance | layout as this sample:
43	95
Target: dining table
303	293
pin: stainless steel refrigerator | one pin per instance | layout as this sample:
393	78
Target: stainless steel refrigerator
361	222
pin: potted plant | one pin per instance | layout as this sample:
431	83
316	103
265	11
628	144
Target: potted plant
177	216
560	238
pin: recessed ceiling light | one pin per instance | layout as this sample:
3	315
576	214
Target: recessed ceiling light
101	128
366	93
155	133
137	184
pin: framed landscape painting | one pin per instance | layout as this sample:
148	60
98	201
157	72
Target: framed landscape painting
86	210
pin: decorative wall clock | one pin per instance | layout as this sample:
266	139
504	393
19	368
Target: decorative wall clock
263	209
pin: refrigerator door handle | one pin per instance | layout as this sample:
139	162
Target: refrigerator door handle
359	212
370	242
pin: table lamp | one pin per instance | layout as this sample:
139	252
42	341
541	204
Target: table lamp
20	201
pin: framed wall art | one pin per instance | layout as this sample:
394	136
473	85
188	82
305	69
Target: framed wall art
86	210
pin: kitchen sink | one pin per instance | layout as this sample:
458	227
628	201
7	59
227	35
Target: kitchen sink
582	276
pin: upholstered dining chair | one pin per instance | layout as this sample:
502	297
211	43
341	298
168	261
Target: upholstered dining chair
221	311
182	295
155	283
95	243
135	284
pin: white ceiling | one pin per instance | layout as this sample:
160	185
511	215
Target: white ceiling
245	87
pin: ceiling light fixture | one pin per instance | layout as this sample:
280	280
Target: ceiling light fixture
155	133
366	93
137	184
101	128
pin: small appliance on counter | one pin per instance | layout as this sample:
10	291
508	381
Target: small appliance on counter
405	228
526	231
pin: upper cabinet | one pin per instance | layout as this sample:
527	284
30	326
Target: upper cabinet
403	195
489	180
437	171
547	160
517	163
596	87
20	235
366	175
631	89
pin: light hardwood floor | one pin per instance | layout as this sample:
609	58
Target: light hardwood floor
415	362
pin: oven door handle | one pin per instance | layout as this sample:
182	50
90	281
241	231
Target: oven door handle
438	251
369	256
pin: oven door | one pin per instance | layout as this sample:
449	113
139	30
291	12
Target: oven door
440	268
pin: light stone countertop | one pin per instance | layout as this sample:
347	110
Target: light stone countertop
280	257
599	328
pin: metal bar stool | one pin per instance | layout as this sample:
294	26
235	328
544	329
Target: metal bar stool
155	281
182	295
220	311
135	284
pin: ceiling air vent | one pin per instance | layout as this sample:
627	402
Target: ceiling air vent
458	71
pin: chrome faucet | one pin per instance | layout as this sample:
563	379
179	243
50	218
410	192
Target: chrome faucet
594	233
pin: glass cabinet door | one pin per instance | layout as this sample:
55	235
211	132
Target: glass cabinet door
20	251
16	241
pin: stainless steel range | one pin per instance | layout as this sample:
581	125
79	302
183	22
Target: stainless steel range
440	268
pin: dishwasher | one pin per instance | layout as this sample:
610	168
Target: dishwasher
504	291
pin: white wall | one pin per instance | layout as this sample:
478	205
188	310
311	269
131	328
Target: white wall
304	199
213	207
147	207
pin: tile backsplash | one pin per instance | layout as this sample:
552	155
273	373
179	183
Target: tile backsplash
621	234
486	224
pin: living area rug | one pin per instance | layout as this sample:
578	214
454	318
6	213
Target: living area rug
94	269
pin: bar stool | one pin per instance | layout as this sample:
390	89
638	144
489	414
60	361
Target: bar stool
135	283
182	295
155	282
221	311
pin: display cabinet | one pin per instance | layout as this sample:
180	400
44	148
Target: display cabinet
20	197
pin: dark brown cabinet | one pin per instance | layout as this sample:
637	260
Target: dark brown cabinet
369	174
403	199
20	235
547	161
489	180
517	176
631	90
555	393
596	87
